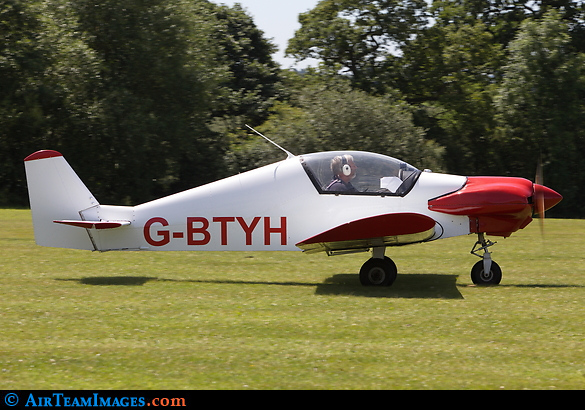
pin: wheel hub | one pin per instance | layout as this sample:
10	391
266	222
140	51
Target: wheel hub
377	275
378	272
487	276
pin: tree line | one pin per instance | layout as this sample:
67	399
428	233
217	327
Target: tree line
147	98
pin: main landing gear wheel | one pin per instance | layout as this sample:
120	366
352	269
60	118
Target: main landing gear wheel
378	272
480	277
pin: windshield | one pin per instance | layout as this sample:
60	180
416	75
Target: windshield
362	173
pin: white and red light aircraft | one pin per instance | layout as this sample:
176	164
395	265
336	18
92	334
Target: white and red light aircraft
335	202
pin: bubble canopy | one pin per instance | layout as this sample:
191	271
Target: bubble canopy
374	174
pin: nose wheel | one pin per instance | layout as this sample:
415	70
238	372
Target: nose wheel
486	271
480	277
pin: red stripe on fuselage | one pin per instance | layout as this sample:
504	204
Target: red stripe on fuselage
375	227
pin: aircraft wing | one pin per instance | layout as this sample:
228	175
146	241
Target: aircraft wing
377	231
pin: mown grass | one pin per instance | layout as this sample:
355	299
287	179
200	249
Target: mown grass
82	320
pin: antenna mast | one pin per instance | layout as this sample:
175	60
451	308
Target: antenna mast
288	154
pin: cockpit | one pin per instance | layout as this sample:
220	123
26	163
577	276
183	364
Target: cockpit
359	173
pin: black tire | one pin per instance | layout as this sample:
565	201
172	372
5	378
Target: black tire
378	272
479	277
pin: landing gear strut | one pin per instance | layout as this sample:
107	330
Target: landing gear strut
380	270
486	271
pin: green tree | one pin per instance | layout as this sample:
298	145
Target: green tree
157	68
540	107
252	84
126	90
503	17
21	59
335	117
451	72
359	37
44	69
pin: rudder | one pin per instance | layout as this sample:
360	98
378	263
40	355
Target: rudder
57	193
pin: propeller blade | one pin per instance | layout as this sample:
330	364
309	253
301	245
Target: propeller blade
539	195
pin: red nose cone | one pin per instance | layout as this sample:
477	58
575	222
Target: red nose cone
549	196
487	196
497	205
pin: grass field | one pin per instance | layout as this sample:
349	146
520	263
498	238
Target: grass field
82	320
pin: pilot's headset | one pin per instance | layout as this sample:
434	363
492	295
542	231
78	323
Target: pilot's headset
345	167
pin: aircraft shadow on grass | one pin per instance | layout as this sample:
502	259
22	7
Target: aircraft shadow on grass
413	286
422	286
416	286
113	280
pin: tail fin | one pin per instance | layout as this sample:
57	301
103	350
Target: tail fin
57	194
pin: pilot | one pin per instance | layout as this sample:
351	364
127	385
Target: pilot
344	170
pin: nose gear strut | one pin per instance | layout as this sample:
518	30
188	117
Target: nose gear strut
486	271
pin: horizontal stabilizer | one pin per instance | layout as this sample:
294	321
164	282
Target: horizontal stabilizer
94	224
